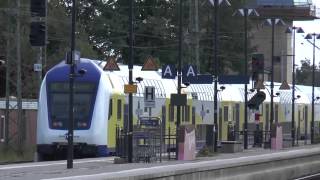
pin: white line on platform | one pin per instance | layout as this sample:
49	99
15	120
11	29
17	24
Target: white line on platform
176	167
43	164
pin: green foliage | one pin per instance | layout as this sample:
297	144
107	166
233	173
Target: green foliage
304	73
103	30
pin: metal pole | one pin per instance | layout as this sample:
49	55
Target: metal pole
8	69
19	91
71	89
130	67
293	88
179	76
313	76
272	74
246	73
215	125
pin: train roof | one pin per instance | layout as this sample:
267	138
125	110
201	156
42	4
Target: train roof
232	92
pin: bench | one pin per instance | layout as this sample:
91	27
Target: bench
231	146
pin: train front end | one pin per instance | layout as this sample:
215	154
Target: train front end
90	109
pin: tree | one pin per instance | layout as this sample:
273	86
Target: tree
304	73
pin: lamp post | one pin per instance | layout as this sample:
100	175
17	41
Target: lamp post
216	4
293	30
71	89
245	12
179	76
130	67
272	22
313	36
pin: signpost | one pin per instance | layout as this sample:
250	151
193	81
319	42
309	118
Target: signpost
149	97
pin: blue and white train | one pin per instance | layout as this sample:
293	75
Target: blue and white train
100	106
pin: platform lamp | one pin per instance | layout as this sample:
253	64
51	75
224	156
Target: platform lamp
272	22
313	36
245	12
293	30
216	4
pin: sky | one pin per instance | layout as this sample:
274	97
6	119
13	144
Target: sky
304	50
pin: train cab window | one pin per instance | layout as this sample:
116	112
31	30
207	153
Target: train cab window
110	108
225	113
58	97
119	109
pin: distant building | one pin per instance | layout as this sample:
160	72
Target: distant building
288	11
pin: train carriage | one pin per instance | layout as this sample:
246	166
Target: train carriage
101	107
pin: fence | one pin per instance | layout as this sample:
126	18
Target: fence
148	145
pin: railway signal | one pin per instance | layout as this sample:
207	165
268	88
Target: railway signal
37	33
256	100
38	8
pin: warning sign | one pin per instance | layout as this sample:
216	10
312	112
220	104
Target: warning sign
150	65
111	65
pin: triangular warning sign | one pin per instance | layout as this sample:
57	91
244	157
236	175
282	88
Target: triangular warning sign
150	65
111	65
284	86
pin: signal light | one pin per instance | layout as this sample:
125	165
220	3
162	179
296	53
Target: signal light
37	34
256	100
257	65
38	8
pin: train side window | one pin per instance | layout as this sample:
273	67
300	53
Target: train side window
305	112
276	113
2	128
187	113
267	119
183	109
171	113
225	113
110	109
193	115
220	114
119	110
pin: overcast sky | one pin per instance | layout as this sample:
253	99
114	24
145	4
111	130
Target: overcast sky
304	50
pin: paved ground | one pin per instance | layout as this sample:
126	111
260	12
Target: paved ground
89	168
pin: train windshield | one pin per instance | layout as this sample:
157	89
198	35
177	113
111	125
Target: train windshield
84	96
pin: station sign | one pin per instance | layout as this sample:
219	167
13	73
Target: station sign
178	99
169	71
189	74
149	97
234	79
130	88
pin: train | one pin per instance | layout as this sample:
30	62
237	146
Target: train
101	106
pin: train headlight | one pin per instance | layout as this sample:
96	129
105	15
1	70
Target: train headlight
82	124
57	124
